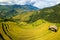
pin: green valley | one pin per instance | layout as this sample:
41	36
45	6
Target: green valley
31	25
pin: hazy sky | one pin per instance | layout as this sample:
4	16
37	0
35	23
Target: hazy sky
36	3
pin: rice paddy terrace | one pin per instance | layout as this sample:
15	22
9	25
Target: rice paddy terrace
12	31
31	25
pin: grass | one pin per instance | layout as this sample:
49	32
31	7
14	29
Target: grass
32	25
28	32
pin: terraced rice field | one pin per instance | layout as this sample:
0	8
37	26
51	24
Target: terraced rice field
12	31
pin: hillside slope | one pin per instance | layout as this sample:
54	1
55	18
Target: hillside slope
32	25
50	14
8	11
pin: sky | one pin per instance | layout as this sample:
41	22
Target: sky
36	3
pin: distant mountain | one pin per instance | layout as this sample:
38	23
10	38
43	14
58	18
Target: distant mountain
11	10
25	13
4	3
31	25
51	14
25	7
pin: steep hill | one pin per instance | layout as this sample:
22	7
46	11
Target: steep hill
8	11
32	25
51	14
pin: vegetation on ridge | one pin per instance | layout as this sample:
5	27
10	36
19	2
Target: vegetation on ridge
32	25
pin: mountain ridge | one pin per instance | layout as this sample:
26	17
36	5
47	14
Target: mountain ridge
5	10
50	14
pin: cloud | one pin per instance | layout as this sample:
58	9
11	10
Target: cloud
45	3
5	0
36	3
58	1
20	2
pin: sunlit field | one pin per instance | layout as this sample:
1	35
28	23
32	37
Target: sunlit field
17	24
35	31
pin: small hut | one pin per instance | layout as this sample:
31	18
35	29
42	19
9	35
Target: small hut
53	28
